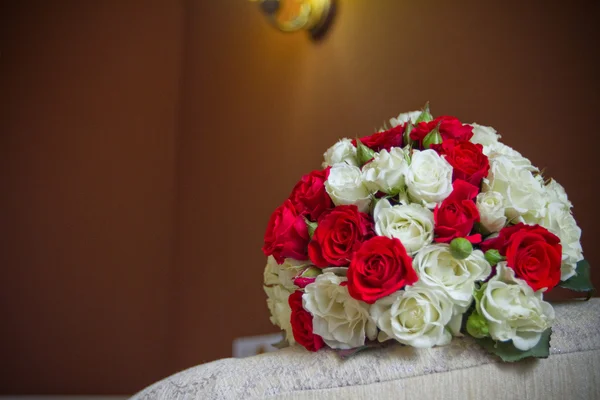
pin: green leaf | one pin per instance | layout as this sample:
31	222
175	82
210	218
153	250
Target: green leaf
425	115
311	272
283	343
373	204
478	292
376	200
312	227
433	137
509	353
344	354
363	153
406	135
581	282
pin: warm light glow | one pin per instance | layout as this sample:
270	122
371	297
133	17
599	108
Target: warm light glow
295	15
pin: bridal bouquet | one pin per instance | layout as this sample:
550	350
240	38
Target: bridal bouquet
418	233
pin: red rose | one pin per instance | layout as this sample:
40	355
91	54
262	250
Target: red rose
286	235
302	281
338	235
457	214
532	251
450	128
467	160
383	140
379	268
309	195
302	325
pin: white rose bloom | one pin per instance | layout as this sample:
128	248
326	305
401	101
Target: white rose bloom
437	268
429	178
416	316
285	273
271	273
412	224
342	321
561	222
278	285
411	116
513	310
345	186
341	152
556	194
523	193
484	135
277	301
491	211
501	150
292	268
386	171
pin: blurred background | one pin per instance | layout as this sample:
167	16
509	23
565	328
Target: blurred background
144	145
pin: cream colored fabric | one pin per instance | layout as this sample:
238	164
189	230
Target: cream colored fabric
461	370
568	376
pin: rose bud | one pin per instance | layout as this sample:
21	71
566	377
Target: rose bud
460	248
433	137
493	257
477	326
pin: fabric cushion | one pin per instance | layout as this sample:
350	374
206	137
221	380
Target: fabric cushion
461	370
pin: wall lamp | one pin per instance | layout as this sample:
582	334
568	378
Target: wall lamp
314	16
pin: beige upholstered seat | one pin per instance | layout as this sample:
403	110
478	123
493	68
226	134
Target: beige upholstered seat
461	370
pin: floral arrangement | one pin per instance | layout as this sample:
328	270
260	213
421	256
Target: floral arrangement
424	231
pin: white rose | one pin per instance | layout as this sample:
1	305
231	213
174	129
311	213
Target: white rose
411	116
429	178
556	194
523	193
561	222
491	211
277	301
416	316
437	268
345	186
271	273
513	310
386	171
342	321
341	152
501	150
285	273
412	224
278	285
484	135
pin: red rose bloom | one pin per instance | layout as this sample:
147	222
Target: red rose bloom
457	214
338	235
467	160
309	195
450	128
383	140
302	325
286	235
379	268
532	251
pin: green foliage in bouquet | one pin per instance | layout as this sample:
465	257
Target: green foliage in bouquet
509	353
581	281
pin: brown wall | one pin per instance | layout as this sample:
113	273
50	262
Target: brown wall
90	93
146	145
